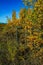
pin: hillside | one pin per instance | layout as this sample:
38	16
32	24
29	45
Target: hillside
2	25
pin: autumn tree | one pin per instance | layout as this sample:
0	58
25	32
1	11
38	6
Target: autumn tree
29	3
22	39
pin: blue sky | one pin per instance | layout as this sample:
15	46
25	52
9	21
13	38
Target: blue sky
7	6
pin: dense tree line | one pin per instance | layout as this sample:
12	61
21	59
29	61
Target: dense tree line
21	40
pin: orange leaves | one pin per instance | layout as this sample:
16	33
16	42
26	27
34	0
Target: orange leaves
29	11
22	13
24	36
30	45
13	16
32	38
